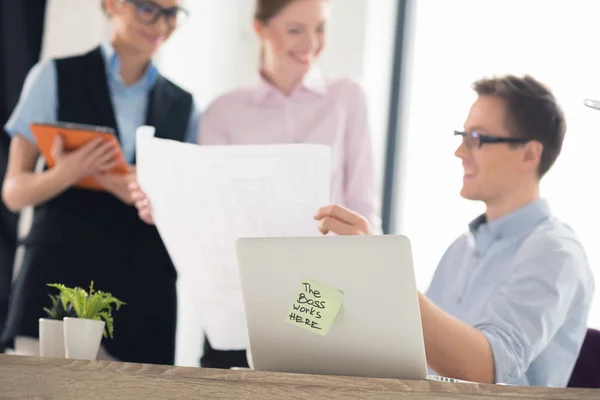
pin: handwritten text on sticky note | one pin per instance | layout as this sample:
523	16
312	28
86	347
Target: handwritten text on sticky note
315	307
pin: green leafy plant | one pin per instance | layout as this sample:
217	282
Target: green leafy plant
96	305
60	307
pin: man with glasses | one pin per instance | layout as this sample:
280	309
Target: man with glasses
510	298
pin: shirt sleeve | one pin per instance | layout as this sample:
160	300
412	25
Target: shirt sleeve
37	102
191	136
213	129
361	188
526	313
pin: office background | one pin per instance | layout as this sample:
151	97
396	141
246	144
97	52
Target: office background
430	52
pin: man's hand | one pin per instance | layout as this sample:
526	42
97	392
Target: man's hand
118	184
342	221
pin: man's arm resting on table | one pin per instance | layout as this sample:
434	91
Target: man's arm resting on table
455	349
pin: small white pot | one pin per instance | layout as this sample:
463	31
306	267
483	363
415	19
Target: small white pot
52	342
82	338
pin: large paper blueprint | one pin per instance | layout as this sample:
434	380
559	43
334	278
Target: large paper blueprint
206	197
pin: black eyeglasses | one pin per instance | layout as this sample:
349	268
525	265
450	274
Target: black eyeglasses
474	140
148	12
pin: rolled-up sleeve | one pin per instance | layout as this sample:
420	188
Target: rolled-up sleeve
37	102
526	312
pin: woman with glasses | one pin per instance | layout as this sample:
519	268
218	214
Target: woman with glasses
81	235
292	102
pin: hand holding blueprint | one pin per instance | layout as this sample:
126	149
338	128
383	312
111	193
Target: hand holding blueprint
206	197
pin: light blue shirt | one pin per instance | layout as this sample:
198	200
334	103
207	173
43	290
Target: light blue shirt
39	101
524	281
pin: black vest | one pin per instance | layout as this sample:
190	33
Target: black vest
83	97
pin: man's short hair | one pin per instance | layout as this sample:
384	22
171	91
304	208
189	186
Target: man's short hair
532	113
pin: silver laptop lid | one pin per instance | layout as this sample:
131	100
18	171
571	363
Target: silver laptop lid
289	287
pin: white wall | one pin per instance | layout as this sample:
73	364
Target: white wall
73	26
217	51
377	56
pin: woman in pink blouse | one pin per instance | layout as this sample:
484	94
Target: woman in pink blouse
293	102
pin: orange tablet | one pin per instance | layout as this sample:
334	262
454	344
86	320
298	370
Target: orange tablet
74	136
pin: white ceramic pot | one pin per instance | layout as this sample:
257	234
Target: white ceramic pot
82	338
52	340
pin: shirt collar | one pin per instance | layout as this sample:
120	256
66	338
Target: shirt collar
113	66
521	220
313	81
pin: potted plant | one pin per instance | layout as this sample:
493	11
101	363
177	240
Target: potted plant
93	319
52	342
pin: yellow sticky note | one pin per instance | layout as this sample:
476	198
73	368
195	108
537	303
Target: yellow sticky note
315	307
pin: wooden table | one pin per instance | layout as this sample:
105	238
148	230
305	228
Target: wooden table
39	378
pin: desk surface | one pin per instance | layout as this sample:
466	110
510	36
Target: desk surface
28	377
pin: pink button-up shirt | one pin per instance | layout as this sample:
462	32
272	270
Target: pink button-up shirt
319	111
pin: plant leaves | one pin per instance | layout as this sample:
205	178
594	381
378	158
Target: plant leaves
96	304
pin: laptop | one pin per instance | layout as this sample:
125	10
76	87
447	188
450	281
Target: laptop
369	324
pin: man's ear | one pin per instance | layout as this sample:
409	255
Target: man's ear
532	155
